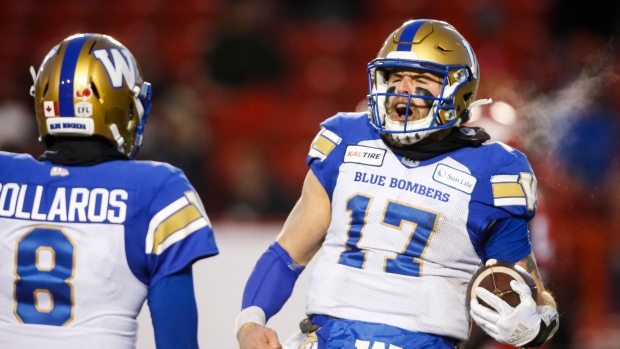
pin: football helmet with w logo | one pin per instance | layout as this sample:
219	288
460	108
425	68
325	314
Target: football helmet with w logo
91	85
425	46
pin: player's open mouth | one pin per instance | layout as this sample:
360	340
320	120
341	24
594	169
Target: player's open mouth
403	112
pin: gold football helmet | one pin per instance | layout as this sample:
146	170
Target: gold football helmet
428	46
90	85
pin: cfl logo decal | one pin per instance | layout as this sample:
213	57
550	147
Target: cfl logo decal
122	65
83	109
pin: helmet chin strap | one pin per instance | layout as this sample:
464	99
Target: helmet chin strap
479	103
468	113
117	137
33	73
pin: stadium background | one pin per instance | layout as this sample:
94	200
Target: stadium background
241	86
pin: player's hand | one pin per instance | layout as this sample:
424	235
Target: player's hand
515	326
255	336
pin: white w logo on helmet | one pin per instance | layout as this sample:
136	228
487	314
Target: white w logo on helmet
122	66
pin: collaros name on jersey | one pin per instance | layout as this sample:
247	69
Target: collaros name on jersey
94	205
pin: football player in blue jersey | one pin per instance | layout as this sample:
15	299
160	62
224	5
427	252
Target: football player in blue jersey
87	233
405	204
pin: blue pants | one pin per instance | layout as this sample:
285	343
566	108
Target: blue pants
348	334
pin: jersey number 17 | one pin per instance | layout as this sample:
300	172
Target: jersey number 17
408	260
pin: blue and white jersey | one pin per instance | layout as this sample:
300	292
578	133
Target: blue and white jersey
405	236
79	247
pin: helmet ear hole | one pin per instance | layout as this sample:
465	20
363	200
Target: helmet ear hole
131	113
47	85
95	90
60	46
90	51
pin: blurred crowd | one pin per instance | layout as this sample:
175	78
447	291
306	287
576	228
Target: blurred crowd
240	87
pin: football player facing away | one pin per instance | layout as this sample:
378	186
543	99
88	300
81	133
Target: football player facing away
86	233
406	204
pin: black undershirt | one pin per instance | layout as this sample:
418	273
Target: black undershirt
459	137
81	152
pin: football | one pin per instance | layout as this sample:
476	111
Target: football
495	276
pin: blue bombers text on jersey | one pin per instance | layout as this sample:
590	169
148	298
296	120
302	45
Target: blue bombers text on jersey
406	236
80	246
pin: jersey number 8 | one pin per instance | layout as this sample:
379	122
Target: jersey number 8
45	263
